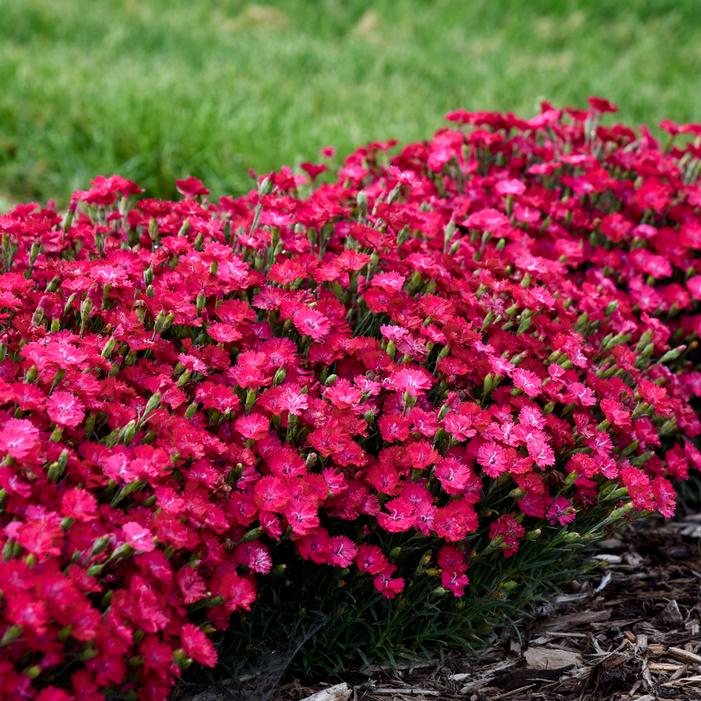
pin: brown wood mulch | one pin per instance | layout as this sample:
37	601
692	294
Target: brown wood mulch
632	634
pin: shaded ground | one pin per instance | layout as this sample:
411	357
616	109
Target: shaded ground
632	634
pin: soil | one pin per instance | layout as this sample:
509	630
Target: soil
633	634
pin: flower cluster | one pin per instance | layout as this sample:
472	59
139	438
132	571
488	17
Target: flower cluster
342	353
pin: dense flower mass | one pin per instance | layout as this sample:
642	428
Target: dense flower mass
186	385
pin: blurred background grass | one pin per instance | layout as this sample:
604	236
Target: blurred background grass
158	89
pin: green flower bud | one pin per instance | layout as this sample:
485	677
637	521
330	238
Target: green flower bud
253	534
108	348
152	404
265	187
127	433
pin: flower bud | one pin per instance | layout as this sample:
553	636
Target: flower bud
641	459
448	233
571	478
524	325
279	376
89	425
191	410
86	307
488	319
126	490
611	307
362	203
571	537
265	187
108	348
612	493
394	193
621	511
668	427
32	672
152	404
53	285
672	354
163	322
253	534
630	448
126	435
124	550
234	474
38	317
87	653
644	340
250	400
58	378
184	228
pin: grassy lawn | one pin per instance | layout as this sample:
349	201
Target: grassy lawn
158	89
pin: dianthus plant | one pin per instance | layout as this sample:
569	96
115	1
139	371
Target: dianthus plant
191	390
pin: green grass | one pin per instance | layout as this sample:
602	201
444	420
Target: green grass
162	88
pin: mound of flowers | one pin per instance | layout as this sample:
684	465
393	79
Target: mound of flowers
193	391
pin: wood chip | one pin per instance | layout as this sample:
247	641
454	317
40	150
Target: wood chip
684	655
339	692
641	642
551	658
670	614
687	681
608	557
575	619
407	691
664	667
511	693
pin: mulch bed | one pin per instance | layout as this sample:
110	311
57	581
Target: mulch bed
634	633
